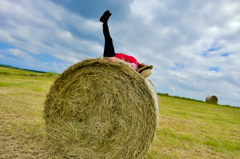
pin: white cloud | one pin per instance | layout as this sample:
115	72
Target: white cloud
17	54
25	60
174	36
143	9
42	26
20	54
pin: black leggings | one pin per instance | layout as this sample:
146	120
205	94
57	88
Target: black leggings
108	47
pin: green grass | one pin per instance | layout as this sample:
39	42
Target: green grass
188	128
193	129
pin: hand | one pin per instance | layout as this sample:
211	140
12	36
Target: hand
112	59
142	65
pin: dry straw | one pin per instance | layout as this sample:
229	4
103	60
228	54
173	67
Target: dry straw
100	110
212	99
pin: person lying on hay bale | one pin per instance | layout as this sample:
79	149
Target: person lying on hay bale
111	56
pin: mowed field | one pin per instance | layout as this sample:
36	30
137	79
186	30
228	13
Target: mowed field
187	129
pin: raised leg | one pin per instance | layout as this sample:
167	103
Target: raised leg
108	47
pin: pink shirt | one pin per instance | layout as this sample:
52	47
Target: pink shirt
129	59
134	66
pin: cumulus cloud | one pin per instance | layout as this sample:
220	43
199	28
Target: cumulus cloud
193	45
19	58
16	54
185	43
42	26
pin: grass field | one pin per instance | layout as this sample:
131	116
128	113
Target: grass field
188	129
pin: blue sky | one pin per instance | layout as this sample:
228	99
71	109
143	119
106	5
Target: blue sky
193	45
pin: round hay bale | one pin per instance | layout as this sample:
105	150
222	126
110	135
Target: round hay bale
100	110
212	99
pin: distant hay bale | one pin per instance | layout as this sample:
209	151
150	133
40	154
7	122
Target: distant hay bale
212	99
100	110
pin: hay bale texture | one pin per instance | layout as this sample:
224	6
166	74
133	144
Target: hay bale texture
100	110
212	99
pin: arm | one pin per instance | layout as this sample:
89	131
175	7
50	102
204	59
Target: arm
112	59
142	65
